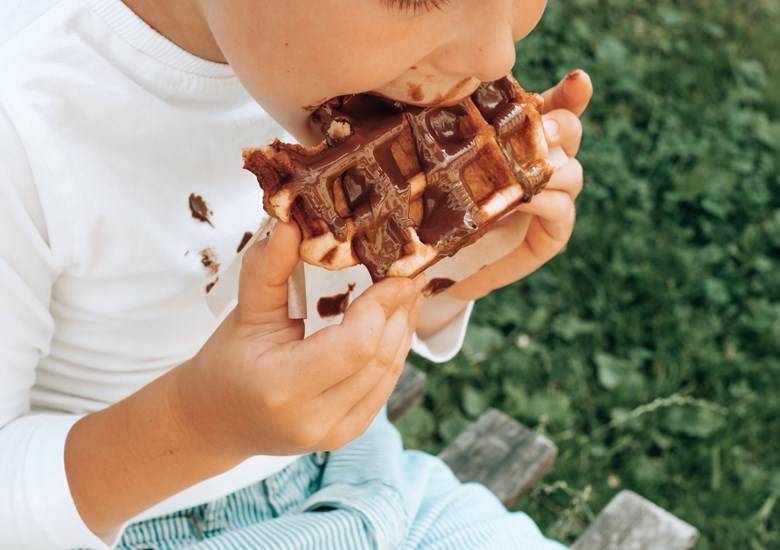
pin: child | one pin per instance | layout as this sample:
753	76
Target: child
130	417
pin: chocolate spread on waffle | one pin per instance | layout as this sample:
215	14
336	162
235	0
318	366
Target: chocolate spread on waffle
375	190
494	101
372	149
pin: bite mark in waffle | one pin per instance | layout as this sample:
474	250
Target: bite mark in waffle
397	187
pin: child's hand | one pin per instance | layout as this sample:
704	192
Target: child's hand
553	210
257	387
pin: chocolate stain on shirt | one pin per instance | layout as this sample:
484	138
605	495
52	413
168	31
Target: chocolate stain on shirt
244	241
330	306
437	286
199	209
209	260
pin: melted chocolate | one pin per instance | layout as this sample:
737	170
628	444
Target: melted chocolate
445	145
211	285
331	306
363	166
362	162
437	286
491	97
199	209
209	260
494	101
244	241
415	92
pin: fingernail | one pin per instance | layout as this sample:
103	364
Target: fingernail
551	128
572	78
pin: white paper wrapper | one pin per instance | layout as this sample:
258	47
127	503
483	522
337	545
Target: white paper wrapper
296	293
224	294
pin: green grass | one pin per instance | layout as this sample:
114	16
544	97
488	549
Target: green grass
650	350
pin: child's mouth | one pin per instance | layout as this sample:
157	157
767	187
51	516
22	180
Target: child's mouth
416	95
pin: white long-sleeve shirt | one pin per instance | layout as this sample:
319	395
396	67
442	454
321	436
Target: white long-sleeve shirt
106	129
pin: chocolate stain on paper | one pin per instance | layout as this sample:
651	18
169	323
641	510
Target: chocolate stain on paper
331	306
437	286
211	285
244	240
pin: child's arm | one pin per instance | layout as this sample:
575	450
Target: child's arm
254	388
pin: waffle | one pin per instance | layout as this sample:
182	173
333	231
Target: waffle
397	187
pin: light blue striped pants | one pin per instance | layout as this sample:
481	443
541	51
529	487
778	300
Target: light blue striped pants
369	495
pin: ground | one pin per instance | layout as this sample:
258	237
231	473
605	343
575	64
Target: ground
650	350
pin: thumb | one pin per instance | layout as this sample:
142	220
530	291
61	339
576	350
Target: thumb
573	93
265	268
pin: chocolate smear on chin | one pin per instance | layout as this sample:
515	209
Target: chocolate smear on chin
415	92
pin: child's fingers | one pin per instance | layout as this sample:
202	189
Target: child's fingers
540	245
563	129
414	315
555	209
265	268
386	295
335	402
573	93
364	317
335	353
356	420
568	178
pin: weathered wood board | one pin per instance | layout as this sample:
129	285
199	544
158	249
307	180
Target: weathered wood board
502	454
631	522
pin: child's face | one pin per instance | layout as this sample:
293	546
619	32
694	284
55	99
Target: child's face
294	54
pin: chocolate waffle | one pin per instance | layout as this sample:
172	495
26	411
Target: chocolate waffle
397	187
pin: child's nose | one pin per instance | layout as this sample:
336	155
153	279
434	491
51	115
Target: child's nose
484	48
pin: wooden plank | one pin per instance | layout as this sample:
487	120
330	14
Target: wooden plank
408	393
502	454
631	522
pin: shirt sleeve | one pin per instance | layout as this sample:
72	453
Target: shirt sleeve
37	510
447	342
